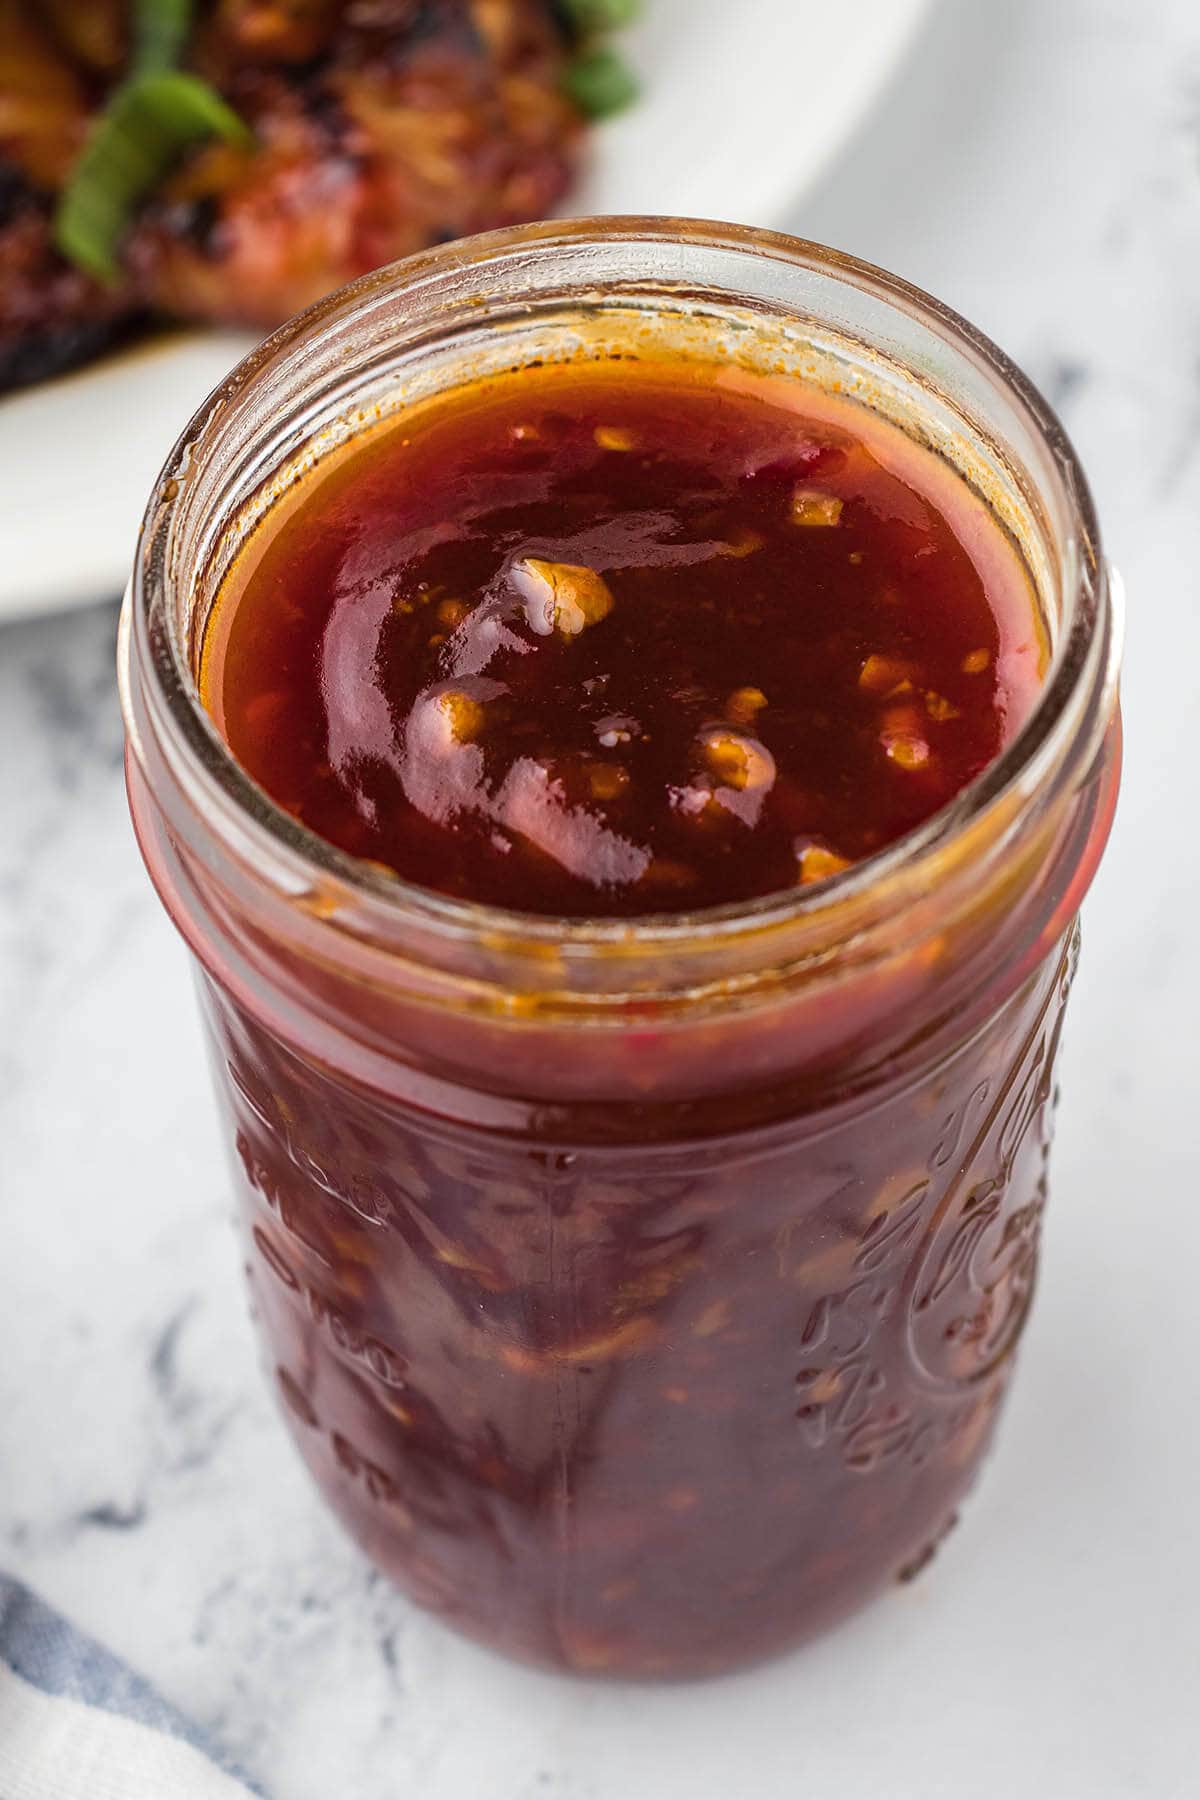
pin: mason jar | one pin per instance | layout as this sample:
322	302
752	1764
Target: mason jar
641	1294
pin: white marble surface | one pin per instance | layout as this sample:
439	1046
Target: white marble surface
1038	165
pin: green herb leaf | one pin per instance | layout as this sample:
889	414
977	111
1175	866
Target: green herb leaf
589	17
147	124
161	29
600	83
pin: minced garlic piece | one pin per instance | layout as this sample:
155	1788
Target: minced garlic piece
906	752
939	708
903	737
819	1385
738	762
742	542
607	780
562	597
614	437
818	864
976	662
452	612
743	704
462	716
812	507
714	1318
884	675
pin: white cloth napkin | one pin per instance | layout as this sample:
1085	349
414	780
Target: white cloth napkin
76	1724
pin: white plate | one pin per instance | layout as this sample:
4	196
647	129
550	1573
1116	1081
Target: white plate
742	106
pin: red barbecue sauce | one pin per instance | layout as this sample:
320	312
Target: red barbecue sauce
614	1346
623	637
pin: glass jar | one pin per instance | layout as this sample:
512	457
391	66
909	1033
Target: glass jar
641	1296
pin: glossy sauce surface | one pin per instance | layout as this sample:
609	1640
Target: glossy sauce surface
617	638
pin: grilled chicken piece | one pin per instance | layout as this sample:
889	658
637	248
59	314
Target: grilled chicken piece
51	314
381	126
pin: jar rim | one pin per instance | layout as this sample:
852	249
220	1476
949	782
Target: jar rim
1081	679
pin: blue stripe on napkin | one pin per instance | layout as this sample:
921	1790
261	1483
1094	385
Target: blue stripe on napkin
46	1651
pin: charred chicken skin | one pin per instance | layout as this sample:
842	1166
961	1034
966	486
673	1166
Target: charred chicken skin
379	127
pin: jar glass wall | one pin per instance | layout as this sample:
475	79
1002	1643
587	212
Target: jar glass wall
642	1296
